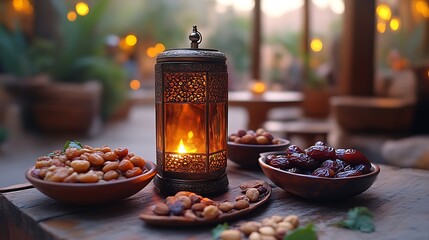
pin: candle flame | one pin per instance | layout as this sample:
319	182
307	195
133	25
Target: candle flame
181	148
189	148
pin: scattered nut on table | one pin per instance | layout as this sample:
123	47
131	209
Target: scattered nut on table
274	227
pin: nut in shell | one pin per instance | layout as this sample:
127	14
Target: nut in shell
161	209
252	194
241	204
226	207
210	212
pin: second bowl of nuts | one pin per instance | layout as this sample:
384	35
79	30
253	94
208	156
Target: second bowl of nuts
85	175
244	146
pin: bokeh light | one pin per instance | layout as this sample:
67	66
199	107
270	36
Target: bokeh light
316	45
258	87
135	84
131	40
82	8
337	6
71	16
151	52
395	24
381	27
160	47
384	12
23	6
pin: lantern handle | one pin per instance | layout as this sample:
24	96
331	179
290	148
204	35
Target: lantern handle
195	37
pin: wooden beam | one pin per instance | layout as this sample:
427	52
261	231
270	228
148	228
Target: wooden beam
357	49
306	39
256	41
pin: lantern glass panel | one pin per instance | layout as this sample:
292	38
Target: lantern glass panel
185	128
217	128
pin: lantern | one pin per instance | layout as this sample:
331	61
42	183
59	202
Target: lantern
191	119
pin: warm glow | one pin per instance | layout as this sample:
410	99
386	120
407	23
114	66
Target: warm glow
18	5
131	40
71	16
123	45
258	87
395	24
135	84
23	6
316	45
189	148
151	52
159	47
381	27
384	12
181	148
421	7
428	73
82	8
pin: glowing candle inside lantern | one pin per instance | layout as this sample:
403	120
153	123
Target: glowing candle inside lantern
189	147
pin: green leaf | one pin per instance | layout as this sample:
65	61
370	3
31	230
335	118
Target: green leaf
358	219
218	230
72	144
307	232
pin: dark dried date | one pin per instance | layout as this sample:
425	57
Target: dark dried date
324	172
321	153
336	165
294	149
321	160
348	173
354	157
280	162
303	161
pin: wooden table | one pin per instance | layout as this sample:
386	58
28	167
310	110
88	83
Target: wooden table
258	106
399	200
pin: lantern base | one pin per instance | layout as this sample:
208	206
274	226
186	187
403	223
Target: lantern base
170	186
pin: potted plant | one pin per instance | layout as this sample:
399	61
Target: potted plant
19	73
313	84
85	86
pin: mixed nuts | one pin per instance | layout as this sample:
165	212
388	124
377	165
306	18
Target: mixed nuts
193	206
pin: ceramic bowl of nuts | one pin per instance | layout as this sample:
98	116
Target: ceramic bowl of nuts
320	172
85	175
244	146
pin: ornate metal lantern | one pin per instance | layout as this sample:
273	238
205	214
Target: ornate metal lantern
191	119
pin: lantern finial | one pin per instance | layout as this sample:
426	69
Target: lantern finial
195	37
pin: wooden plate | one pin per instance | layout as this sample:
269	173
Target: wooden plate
150	218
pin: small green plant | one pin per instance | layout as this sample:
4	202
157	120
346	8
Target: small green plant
358	219
14	54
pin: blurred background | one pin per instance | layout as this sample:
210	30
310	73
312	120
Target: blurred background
85	70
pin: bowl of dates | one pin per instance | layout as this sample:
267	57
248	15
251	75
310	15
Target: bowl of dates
319	172
245	147
85	175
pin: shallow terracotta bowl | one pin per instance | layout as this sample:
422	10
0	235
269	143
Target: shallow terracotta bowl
246	155
318	188
93	193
